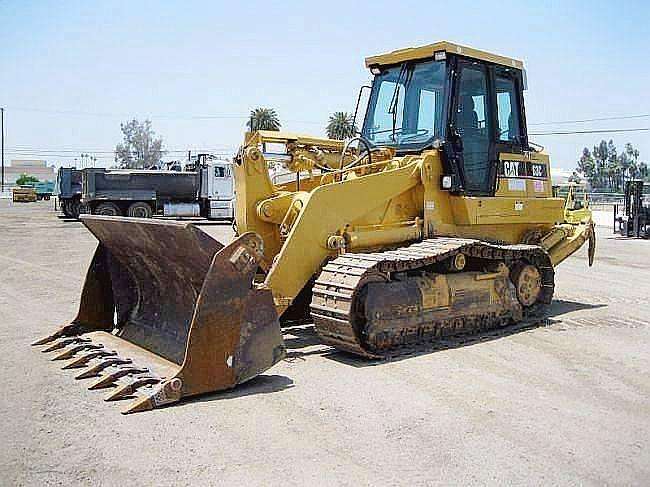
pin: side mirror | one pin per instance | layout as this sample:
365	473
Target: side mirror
356	108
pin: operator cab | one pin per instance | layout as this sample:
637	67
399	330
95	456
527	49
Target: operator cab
467	102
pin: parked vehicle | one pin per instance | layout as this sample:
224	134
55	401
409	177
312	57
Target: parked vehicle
142	193
23	194
576	201
634	219
44	190
68	190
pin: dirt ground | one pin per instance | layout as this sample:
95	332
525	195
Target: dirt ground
566	402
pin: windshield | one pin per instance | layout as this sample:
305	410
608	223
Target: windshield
406	104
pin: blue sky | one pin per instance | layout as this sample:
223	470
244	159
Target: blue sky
71	71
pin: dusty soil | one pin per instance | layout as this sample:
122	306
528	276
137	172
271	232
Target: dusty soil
565	402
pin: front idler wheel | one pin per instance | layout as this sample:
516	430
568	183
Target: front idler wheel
528	283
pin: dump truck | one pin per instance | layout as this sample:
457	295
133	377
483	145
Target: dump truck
206	192
68	190
436	220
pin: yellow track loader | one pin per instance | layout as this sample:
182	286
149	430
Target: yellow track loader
436	220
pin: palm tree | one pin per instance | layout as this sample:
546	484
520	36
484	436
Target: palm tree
340	126
263	119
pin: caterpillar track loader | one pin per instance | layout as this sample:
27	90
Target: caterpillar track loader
438	219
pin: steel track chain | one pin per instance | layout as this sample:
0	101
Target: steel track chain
341	280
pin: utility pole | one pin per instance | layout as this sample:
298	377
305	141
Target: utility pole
2	128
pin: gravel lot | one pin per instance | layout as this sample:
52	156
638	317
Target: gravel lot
566	402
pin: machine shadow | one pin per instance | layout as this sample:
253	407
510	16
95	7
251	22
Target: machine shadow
305	336
210	223
261	384
66	219
299	336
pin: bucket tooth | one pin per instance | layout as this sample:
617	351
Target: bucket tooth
72	329
47	339
64	343
82	360
70	352
130	388
104	364
138	405
165	393
108	380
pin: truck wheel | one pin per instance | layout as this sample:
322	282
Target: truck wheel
108	209
140	209
73	209
64	209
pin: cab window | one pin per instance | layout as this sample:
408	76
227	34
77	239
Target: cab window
509	127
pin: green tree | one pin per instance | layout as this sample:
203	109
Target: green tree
613	172
587	165
624	165
605	168
26	179
601	156
632	160
341	126
140	147
263	119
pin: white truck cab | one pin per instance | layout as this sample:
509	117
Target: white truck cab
218	189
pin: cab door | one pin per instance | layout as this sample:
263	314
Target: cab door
472	126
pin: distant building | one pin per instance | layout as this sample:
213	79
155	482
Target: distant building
32	167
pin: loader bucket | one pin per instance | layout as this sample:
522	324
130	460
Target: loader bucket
166	312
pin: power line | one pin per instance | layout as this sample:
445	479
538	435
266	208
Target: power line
24	151
604	131
587	120
151	116
226	116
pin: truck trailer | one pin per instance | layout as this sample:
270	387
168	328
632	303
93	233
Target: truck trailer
207	192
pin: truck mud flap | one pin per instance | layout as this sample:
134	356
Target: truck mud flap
166	312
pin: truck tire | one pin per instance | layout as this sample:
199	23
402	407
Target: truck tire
73	209
108	209
64	208
140	209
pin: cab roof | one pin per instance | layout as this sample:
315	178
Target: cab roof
422	52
